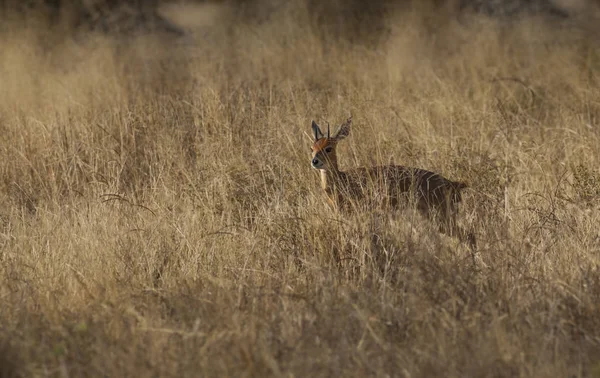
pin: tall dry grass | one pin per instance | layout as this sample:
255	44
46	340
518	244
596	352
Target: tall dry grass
159	216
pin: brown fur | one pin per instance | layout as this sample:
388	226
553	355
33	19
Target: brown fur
388	186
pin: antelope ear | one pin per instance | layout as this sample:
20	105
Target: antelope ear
317	131
344	130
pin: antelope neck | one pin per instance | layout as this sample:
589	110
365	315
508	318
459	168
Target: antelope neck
328	178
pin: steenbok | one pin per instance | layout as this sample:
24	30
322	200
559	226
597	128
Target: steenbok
387	186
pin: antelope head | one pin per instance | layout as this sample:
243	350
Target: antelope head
324	155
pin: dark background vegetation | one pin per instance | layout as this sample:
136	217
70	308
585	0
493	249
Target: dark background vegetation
352	18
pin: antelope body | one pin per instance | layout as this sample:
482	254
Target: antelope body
387	186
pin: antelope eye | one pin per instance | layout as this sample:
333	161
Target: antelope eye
328	149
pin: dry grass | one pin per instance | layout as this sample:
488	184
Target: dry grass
159	216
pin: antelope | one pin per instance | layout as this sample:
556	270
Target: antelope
389	186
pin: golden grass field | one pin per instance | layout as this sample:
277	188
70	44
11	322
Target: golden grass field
159	215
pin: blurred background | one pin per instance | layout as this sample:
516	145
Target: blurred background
353	19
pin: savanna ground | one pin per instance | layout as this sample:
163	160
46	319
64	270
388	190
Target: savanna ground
159	216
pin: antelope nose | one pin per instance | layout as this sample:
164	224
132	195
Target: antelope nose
315	161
